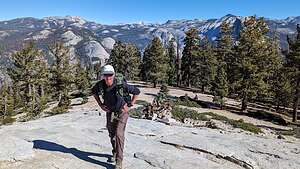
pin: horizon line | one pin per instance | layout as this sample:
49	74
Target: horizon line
143	21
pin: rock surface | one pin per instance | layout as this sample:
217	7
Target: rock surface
80	140
71	38
76	101
108	43
96	52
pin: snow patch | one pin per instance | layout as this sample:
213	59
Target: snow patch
125	27
105	31
114	30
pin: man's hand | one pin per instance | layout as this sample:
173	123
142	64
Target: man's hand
103	107
134	98
125	108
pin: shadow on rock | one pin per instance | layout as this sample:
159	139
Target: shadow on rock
151	94
83	155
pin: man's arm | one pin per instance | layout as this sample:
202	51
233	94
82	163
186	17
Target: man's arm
126	107
103	107
134	91
97	98
96	92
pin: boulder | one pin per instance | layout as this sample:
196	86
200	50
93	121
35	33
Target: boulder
76	101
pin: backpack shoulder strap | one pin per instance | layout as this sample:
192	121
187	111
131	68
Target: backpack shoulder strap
102	87
120	83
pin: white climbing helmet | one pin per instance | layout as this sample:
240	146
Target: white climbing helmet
108	69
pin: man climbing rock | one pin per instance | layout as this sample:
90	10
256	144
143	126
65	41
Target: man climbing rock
116	97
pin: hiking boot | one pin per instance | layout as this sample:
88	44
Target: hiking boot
118	165
112	159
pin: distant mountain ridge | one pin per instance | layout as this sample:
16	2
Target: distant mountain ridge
92	42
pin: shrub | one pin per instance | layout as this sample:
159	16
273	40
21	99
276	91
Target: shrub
136	112
236	123
182	113
141	102
59	110
8	120
186	102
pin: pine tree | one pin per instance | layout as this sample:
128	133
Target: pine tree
81	78
96	70
224	43
1	49
191	43
42	83
225	59
21	72
293	62
134	62
203	65
6	100
18	101
61	74
220	86
117	57
255	62
145	67
178	64
171	62
155	62
224	64
126	59
27	75
89	71
281	88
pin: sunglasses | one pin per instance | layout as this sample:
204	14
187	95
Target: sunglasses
108	75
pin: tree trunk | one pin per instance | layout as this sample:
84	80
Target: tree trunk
221	103
189	83
244	104
277	107
178	76
189	76
178	64
42	91
34	98
296	101
154	84
29	97
59	97
5	105
202	88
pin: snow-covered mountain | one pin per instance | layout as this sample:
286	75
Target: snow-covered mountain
92	41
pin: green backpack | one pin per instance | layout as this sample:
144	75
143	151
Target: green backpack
120	80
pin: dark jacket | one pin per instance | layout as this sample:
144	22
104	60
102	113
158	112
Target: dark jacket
112	100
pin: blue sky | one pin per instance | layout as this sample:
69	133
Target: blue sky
155	11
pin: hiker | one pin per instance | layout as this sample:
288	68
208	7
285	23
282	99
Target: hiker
116	97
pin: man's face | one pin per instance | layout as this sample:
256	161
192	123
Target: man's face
109	79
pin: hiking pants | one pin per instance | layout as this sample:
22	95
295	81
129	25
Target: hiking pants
116	130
